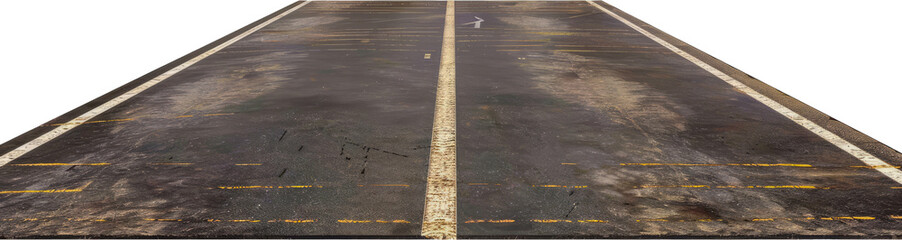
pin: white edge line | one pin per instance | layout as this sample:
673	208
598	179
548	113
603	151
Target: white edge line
850	148
56	132
440	208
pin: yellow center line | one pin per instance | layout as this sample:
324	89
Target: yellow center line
490	221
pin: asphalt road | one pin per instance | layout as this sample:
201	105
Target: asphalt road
570	123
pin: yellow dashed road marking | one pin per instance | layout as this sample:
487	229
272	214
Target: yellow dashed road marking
293	220
82	188
173	163
491	221
42	191
551	221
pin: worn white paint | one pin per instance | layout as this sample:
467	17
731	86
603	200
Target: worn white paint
477	23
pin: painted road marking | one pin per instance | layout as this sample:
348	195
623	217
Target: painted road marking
440	212
491	221
172	164
476	23
56	132
865	157
82	188
248	164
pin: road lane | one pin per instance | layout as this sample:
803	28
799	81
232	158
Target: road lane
574	124
317	124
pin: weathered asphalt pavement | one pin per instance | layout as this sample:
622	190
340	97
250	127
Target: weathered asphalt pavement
570	123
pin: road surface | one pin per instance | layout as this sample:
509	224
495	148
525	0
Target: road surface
443	119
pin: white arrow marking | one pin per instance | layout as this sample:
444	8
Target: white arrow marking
475	23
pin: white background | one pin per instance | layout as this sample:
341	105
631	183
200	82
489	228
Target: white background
841	57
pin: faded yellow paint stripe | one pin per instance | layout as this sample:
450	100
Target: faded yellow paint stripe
173	163
82	188
42	191
490	221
